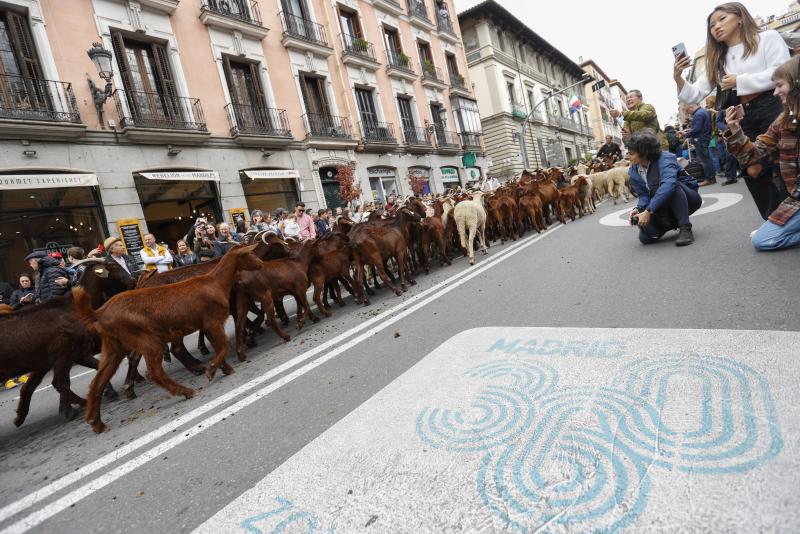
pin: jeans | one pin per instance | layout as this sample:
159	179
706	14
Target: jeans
729	164
715	158
701	149
773	237
759	114
683	203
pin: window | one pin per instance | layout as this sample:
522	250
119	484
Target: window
150	89
314	94
425	54
349	22
501	41
468	118
452	64
522	52
367	112
406	115
244	82
270	194
510	90
531	99
393	43
22	86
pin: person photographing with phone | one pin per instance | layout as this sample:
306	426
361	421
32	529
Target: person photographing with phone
781	143
739	62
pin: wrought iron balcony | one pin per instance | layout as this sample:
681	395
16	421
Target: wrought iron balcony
417	9
37	100
237	9
416	136
457	81
257	120
300	28
327	126
471	140
140	109
378	132
446	139
399	61
444	23
431	72
358	46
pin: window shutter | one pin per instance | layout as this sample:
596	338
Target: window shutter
169	93
35	94
255	73
226	67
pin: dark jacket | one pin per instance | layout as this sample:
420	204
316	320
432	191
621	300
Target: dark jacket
187	259
16	298
322	227
48	288
133	269
76	273
222	247
609	150
661	180
701	127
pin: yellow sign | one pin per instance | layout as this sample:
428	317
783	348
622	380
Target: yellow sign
238	213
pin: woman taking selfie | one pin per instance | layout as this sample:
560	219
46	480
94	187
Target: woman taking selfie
780	143
739	63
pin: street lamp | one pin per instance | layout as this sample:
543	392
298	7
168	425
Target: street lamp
586	78
102	60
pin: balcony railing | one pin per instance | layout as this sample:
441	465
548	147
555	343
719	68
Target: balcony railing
324	125
140	109
444	23
257	120
415	135
305	29
358	46
37	100
236	9
400	61
518	110
470	139
446	139
457	81
417	9
431	72
378	132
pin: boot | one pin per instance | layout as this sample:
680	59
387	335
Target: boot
685	237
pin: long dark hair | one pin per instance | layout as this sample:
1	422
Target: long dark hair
716	50
788	72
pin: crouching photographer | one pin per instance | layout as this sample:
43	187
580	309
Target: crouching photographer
667	194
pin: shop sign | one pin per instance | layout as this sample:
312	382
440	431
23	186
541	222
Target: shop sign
450	175
381	171
273	174
469	159
238	214
45	181
209	176
473	174
130	231
54	246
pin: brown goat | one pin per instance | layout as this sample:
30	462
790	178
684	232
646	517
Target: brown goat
143	320
6	309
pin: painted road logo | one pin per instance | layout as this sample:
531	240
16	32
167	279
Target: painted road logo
553	430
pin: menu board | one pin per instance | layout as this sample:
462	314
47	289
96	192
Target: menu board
237	214
131	233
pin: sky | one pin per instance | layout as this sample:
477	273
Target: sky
631	40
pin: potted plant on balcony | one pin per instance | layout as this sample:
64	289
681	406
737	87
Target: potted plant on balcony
360	44
430	68
462	82
404	59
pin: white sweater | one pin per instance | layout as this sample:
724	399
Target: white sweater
753	73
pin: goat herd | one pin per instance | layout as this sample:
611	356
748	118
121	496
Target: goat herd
105	314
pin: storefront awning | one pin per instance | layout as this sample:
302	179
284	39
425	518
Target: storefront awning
46	181
209	176
272	174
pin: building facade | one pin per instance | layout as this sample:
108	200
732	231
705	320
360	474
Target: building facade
219	107
514	71
610	96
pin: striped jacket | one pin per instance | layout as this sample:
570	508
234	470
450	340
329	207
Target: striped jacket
776	146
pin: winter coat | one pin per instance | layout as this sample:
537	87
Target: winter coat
644	116
48	288
186	259
16	298
222	246
661	185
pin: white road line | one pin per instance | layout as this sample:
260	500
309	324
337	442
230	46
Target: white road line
84	491
51	385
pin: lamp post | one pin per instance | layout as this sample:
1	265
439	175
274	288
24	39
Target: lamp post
102	60
522	150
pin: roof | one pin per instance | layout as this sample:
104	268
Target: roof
492	10
597	68
619	84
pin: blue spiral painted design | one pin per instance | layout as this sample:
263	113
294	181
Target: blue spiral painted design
284	518
497	416
580	457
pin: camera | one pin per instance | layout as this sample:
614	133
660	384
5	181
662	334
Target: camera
634	220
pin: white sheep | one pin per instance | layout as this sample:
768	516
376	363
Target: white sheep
470	217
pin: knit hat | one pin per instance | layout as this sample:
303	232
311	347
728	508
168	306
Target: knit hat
110	241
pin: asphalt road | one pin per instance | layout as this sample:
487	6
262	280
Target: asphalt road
304	437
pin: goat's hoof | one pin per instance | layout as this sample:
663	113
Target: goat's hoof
314	318
198	370
189	393
70	413
241	356
250	343
287	337
18	420
210	372
204	350
412	282
129	393
472	261
99	428
327	314
110	394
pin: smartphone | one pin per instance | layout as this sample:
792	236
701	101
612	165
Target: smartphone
679	50
739	111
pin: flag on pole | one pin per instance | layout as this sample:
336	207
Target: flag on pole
574	104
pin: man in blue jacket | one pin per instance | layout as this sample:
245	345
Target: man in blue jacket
667	195
700	134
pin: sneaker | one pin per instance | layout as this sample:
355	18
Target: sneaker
753	233
707	182
685	237
730	181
